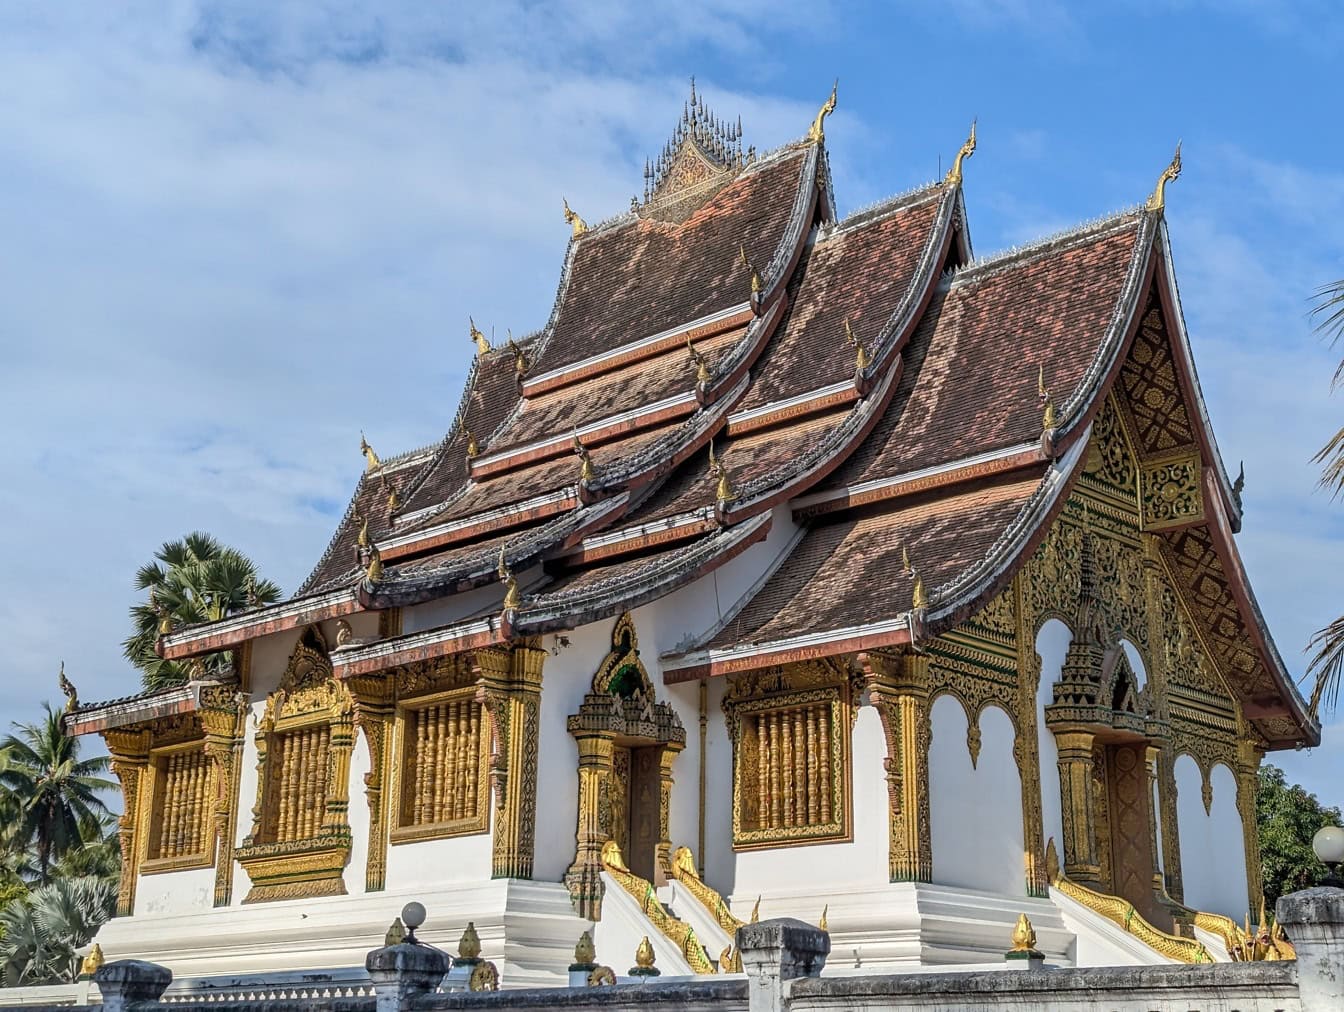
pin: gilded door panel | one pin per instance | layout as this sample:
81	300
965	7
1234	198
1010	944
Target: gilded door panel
644	799
1131	836
618	798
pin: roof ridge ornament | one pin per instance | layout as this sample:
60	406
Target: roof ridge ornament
372	463
68	687
817	134
861	359
702	373
362	539
586	470
919	597
579	225
481	341
512	597
756	283
521	363
723	491
373	571
1158	200
1049	415
967	149
473	447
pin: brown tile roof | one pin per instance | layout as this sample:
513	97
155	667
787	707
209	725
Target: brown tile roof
849	573
970	382
640	277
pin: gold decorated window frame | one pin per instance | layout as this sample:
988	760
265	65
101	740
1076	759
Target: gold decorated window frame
153	803
839	828
404	830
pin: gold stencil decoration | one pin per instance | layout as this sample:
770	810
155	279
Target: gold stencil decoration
1171	495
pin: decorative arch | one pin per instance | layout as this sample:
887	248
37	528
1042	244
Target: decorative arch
621	672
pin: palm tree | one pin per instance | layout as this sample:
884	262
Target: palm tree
196	579
1327	663
40	932
54	793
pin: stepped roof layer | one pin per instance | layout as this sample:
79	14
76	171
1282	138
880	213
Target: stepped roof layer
729	348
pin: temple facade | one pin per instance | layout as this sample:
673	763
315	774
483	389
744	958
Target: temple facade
798	566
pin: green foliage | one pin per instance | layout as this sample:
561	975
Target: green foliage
43	929
196	579
1327	646
1288	817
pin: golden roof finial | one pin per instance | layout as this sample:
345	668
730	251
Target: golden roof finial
818	133
372	463
1170	174
756	283
1049	417
579	225
1024	935
919	598
393	500
373	571
967	149
362	539
511	595
702	374
861	360
586	470
644	954
481	341
470	945
165	616
756	910
823	924
473	448
724	492
520	362
68	687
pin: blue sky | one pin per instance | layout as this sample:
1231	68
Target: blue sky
236	234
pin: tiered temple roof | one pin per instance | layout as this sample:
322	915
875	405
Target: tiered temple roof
727	349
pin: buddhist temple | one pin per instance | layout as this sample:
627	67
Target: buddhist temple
797	566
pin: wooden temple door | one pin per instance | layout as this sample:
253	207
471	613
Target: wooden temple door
1131	834
642	832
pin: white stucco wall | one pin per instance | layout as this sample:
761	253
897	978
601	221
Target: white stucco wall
975	811
1213	855
1052	643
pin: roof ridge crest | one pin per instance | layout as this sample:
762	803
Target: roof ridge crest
1050	243
879	209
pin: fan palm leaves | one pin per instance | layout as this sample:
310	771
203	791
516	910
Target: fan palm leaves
1327	646
40	933
196	579
51	794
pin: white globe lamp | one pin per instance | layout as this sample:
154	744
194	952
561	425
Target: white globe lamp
1328	843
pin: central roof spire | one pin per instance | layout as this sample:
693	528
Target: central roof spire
703	153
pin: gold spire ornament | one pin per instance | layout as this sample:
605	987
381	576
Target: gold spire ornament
702	374
1049	417
967	149
473	448
724	491
1170	174
578	224
818	132
480	340
362	539
165	617
1024	935
512	598
756	283
470	945
373	571
586	470
372	463
393	500
92	963
861	360
756	910
520	361
644	954
585	953
823	924
919	597
68	687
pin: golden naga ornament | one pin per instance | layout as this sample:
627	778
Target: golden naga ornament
68	687
578	224
818	132
92	962
702	373
724	491
1170	174
756	911
756	283
473	448
374	570
165	617
1024	935
1049	416
479	339
586	470
512	597
362	540
967	149
371	461
520	360
861	359
919	597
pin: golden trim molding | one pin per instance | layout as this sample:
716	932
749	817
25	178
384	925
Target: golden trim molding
898	688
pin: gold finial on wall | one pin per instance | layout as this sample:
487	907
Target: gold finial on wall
967	149
756	283
578	224
818	132
372	463
92	963
512	597
470	945
1170	174
1024	935
585	952
480	340
1049	417
644	955
861	360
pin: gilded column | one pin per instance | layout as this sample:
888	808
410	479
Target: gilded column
666	755
374	712
222	717
1248	782
584	877
1151	756
899	689
509	687
1075	792
129	749
1171	835
335	815
1026	752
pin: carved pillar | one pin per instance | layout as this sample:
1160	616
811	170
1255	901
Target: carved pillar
1151	755
374	712
129	748
1026	752
509	688
663	862
899	689
222	715
1171	836
1076	769
584	877
335	818
1248	782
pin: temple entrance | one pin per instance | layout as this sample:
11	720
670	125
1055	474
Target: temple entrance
1128	815
633	793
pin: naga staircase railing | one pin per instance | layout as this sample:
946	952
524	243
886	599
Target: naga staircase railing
681	934
1245	945
684	871
1120	911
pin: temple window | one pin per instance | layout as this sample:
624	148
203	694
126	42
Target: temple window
297	790
790	732
444	780
179	833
